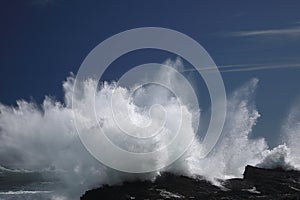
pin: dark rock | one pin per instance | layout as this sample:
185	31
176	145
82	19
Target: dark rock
257	184
273	181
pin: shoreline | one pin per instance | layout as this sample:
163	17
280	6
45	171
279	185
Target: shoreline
257	183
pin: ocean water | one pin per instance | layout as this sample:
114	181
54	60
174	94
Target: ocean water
41	156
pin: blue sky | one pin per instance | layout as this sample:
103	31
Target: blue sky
42	41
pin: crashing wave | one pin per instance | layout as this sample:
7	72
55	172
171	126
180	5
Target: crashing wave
39	139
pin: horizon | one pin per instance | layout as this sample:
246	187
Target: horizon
108	92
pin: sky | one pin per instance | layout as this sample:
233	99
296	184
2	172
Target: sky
42	41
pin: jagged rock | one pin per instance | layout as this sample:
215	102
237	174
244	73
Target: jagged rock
257	184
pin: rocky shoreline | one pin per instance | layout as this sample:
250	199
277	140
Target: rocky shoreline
257	183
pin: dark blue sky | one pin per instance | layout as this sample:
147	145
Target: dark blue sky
42	41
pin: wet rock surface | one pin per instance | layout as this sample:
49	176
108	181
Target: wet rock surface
257	183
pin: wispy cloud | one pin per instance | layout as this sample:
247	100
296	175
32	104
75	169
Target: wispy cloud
247	67
294	31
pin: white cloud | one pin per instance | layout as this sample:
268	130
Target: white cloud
294	31
249	67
